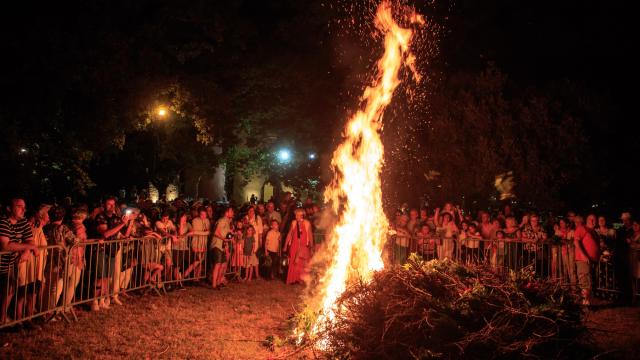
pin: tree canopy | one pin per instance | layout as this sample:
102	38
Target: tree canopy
533	89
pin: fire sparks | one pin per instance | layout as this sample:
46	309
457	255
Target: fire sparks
355	244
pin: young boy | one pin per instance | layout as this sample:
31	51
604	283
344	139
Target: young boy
272	248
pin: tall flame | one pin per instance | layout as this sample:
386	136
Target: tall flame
357	241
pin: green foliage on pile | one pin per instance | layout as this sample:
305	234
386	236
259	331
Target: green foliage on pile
441	309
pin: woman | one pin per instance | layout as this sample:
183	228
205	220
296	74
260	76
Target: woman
252	219
513	244
606	235
31	271
201	228
564	236
298	244
76	255
150	253
180	245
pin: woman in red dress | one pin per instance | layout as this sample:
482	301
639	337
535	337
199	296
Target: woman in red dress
298	243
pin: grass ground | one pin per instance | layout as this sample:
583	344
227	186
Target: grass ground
201	323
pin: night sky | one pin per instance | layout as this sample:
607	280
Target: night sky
78	78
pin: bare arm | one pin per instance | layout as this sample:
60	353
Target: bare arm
107	233
6	245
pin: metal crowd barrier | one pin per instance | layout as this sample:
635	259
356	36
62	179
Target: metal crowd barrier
31	285
546	260
59	278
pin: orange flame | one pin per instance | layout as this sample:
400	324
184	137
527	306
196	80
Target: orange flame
356	242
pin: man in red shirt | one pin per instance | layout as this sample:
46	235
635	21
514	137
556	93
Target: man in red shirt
586	253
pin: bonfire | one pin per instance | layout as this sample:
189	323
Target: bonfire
357	308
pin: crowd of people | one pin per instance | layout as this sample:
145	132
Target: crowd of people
64	253
567	248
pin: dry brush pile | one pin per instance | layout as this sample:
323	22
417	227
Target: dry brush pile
441	309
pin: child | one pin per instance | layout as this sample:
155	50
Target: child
425	243
498	250
250	258
272	247
238	257
473	243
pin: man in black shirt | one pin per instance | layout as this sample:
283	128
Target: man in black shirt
16	242
112	226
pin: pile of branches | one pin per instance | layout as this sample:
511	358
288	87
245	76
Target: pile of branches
441	309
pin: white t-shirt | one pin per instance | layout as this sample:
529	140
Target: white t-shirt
272	241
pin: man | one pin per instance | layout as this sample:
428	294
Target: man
272	214
586	253
16	237
111	227
223	227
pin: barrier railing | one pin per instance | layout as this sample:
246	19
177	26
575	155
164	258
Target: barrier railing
30	284
547	260
58	278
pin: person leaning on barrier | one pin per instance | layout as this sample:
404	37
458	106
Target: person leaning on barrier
16	243
111	226
57	234
76	255
31	279
166	228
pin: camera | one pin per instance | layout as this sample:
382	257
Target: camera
229	236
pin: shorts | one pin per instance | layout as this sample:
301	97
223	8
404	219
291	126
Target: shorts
218	256
584	275
104	265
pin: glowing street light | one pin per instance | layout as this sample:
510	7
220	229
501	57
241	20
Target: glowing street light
284	155
162	112
312	156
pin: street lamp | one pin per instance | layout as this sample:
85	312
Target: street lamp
162	112
284	155
312	156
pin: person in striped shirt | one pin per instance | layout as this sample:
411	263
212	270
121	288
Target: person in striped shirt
16	244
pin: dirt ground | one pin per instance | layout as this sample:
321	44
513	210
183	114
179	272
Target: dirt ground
615	331
200	323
